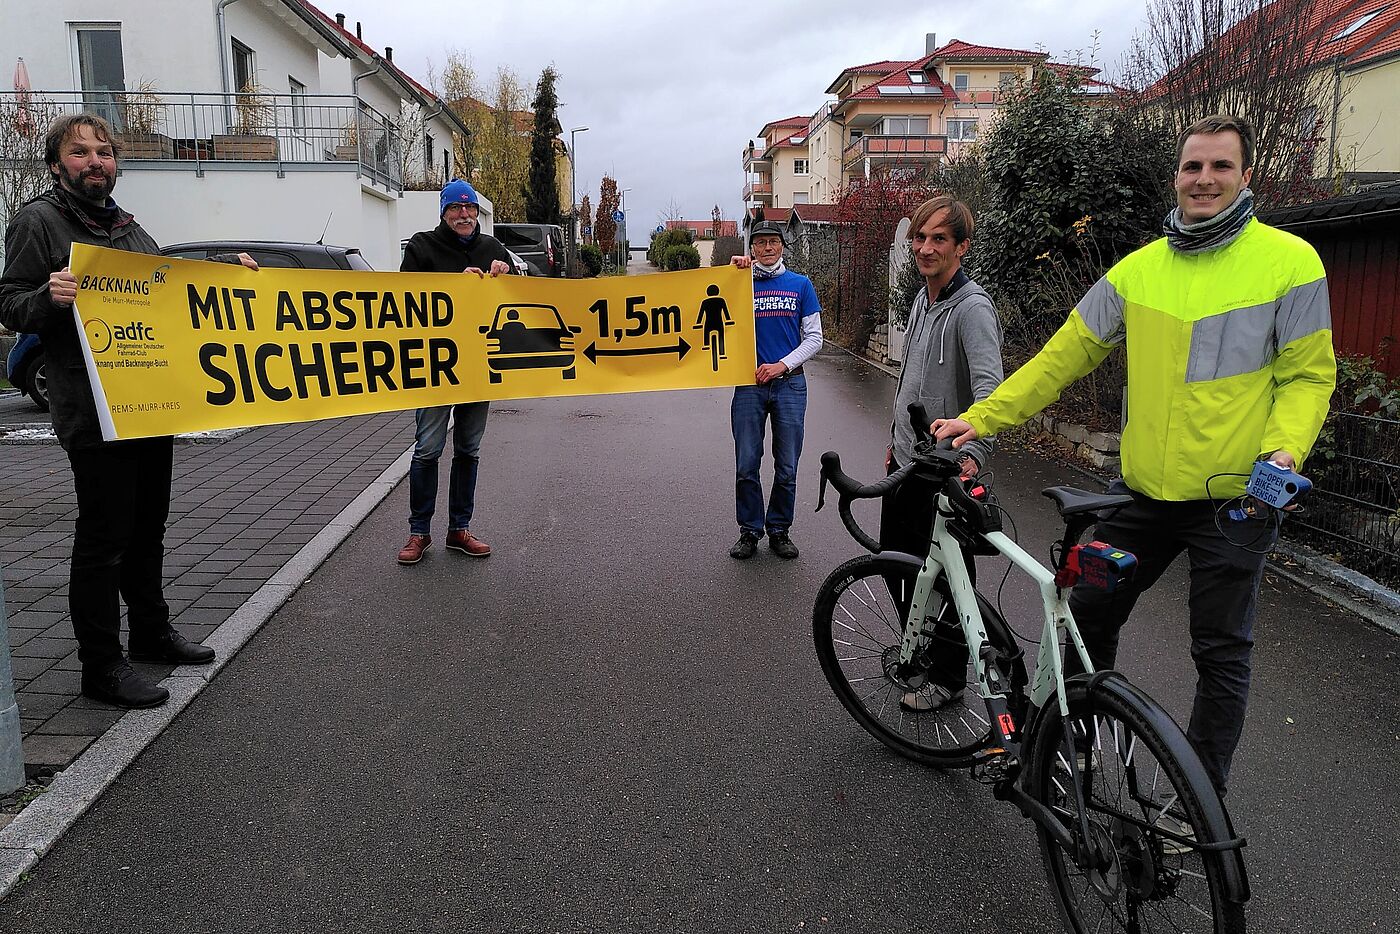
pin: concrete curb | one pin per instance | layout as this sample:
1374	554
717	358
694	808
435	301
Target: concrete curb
37	828
1367	598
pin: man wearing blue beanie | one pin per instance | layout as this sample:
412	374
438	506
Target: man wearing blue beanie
456	244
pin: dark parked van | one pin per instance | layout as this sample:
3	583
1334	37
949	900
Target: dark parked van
540	245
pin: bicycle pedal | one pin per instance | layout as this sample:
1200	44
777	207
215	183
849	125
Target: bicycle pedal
994	767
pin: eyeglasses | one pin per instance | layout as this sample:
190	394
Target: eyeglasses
471	209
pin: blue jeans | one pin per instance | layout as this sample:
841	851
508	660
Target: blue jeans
468	425
785	402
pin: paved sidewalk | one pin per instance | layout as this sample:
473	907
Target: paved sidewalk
241	507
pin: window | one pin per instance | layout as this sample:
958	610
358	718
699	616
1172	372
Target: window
1357	24
905	126
960	81
428	156
245	73
298	102
1007	79
915	77
101	73
799	197
962	130
799	167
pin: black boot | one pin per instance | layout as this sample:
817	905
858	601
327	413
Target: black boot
124	686
170	648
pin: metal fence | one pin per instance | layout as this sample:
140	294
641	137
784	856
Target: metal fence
205	128
1354	509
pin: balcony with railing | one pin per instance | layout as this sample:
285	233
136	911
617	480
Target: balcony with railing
201	131
755	160
758	191
894	149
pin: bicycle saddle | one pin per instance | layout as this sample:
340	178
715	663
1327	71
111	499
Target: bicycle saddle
1073	502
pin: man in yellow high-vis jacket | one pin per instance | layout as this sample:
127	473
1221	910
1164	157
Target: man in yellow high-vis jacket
1229	344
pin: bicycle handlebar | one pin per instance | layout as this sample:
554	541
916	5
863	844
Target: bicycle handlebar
849	488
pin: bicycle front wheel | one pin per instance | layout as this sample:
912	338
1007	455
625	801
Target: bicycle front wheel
1148	805
858	627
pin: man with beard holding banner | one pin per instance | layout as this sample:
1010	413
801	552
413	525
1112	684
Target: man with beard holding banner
455	245
123	487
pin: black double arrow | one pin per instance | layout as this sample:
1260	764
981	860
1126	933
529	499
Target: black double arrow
593	353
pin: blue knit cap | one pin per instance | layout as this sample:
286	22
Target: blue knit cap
457	192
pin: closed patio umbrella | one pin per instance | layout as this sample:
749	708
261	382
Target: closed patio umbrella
24	120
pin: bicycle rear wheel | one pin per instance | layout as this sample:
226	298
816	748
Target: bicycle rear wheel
1144	791
858	628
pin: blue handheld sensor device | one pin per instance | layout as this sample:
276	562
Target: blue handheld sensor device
1276	486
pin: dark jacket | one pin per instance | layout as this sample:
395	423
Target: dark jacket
441	250
36	244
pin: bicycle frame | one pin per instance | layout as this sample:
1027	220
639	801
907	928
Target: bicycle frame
946	557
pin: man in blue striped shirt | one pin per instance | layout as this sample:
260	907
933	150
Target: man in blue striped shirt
788	330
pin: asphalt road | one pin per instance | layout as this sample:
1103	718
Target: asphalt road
609	725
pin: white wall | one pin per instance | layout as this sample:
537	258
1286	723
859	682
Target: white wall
168	42
175	206
278	52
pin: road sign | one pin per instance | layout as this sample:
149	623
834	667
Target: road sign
660	229
588	230
617	216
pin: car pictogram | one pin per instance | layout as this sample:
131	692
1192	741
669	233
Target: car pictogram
527	337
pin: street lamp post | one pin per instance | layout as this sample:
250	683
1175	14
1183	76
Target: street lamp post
622	240
573	195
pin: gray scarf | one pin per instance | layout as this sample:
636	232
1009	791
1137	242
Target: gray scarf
761	271
1218	231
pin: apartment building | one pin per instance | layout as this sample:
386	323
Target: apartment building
776	167
890	114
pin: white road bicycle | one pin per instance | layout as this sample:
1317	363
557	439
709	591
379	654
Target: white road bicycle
1132	832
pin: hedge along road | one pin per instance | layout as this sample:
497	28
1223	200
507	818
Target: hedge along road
609	725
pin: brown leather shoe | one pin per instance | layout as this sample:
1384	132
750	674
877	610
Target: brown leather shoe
412	552
467	544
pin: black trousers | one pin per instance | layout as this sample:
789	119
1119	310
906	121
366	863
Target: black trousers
123	492
1224	594
906	524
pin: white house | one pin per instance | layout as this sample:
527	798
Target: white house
243	119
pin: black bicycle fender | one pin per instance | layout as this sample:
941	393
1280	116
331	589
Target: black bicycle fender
1223	835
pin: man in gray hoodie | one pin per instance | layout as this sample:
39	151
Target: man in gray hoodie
952	357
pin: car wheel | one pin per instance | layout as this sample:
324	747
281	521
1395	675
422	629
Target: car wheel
39	384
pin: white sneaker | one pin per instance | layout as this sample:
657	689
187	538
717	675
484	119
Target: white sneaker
1179	827
932	697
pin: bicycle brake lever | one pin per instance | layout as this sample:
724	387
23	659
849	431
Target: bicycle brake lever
821	493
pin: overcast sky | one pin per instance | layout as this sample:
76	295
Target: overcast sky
672	91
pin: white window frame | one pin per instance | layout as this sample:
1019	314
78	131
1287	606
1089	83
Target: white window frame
801	166
961	80
963	124
76	27
297	92
234	47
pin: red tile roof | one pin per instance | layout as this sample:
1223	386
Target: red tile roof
873	68
778	215
1376	38
358	43
818	213
900	78
958	49
787	122
726	228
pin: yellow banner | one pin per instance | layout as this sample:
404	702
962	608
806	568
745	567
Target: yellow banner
177	345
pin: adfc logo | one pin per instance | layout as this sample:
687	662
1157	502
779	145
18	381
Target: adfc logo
99	334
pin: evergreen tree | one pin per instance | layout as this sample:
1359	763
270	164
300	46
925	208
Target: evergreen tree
542	189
